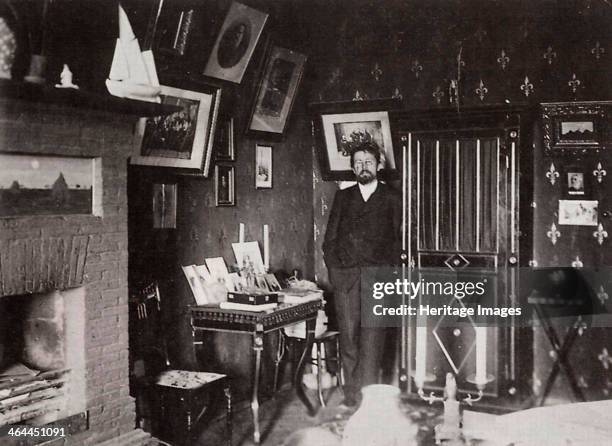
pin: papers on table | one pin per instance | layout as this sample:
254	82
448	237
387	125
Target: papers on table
299	295
197	288
203	273
217	268
247	307
248	255
210	285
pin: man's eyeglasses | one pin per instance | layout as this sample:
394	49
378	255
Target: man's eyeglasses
366	163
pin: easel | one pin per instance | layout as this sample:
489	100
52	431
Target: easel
572	299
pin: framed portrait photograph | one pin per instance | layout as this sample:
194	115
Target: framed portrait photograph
573	128
578	212
224	185
164	206
340	126
575	182
224	140
277	90
263	167
183	139
235	43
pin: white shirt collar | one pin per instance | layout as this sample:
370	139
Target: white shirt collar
367	189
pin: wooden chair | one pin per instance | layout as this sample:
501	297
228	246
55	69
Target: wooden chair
175	402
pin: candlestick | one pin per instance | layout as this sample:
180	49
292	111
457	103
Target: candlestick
481	355
403	195
241	233
266	237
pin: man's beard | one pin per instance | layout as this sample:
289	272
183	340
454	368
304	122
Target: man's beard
365	177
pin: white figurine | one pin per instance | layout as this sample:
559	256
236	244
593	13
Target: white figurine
66	79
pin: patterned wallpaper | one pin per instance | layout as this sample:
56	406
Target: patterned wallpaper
483	52
581	246
491	51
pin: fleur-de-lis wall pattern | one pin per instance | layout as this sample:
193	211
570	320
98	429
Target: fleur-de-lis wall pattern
554	54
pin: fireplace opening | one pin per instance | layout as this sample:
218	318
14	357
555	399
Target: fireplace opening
42	358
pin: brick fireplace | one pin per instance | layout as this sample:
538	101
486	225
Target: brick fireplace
88	253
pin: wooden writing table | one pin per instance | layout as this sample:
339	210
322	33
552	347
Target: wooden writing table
213	318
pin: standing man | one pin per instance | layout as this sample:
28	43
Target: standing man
363	231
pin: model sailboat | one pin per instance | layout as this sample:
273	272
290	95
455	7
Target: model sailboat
132	74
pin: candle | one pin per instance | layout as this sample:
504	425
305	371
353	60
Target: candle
241	233
404	195
421	352
481	355
266	237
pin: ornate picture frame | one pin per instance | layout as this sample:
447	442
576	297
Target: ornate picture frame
184	139
337	123
574	128
277	90
235	43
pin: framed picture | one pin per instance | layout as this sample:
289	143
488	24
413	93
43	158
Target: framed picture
235	43
273	284
171	27
224	140
578	212
277	90
183	139
573	128
340	125
49	185
575	182
263	167
248	255
164	206
224	185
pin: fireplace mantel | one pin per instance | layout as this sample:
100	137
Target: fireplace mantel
46	94
85	252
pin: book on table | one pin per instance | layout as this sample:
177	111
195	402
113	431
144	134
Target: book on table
247	307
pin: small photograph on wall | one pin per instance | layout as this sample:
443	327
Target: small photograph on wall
578	212
224	185
164	206
263	167
224	140
575	183
45	185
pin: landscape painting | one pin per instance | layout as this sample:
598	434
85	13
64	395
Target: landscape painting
577	130
45	185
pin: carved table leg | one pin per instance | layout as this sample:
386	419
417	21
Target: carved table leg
299	372
280	352
257	347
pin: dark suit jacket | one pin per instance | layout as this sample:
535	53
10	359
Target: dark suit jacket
364	233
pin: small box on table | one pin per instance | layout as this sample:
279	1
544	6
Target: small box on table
252	298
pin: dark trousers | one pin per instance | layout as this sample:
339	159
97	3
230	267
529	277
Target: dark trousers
361	347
